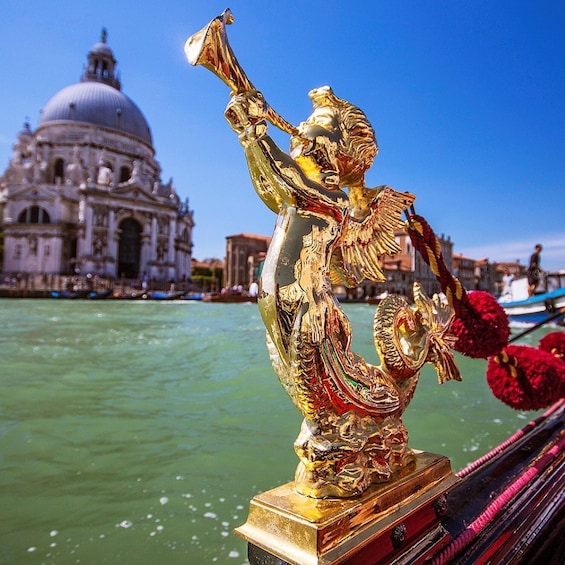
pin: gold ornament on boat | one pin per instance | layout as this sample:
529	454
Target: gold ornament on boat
330	229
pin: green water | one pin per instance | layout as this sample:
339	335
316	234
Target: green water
137	432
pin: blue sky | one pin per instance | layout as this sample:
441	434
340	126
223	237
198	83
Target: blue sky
467	100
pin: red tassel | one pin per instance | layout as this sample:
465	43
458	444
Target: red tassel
482	327
554	343
526	378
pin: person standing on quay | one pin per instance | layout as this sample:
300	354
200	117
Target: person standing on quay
534	270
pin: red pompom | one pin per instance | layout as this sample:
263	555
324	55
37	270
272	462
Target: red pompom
481	326
554	343
526	378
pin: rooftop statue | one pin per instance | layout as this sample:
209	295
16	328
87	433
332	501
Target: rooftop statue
331	228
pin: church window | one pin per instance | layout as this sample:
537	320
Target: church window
59	170
125	174
34	215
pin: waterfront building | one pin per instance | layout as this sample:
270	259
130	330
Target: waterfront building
403	269
485	275
207	275
245	254
83	193
422	271
465	269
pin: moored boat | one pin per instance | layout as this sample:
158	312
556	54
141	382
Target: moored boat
155	295
229	297
91	294
193	296
546	306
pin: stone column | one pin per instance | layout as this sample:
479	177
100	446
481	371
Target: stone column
112	235
88	231
145	254
172	233
153	250
171	255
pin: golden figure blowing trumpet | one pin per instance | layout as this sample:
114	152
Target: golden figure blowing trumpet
352	434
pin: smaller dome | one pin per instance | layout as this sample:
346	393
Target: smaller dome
102	49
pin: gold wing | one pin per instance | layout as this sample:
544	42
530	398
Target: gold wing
437	316
363	242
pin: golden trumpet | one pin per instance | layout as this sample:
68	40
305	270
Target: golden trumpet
210	48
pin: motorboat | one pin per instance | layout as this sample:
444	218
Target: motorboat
547	305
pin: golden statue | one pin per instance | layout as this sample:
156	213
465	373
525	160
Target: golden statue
331	229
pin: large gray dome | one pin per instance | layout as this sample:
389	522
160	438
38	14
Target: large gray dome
99	104
98	99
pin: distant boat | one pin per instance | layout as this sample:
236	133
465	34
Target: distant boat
155	295
193	296
229	296
377	299
543	306
81	294
69	293
100	294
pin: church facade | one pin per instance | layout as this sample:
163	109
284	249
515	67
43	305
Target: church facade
83	193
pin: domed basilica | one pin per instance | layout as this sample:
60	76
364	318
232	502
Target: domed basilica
83	192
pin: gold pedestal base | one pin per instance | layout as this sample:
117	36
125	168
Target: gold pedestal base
303	531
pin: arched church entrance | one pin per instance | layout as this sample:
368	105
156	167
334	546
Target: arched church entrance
129	248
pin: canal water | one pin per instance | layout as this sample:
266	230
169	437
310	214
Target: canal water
136	432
